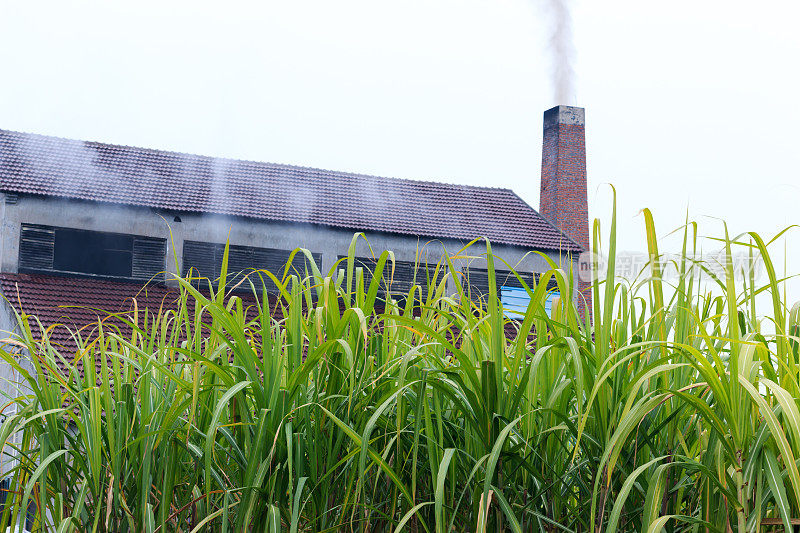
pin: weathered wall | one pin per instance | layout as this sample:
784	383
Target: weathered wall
330	242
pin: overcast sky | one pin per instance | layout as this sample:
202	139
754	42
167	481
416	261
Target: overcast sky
688	104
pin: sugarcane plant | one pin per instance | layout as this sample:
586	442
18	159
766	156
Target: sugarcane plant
335	405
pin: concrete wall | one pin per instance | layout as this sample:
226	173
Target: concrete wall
330	242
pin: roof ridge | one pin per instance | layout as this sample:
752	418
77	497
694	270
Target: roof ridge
343	173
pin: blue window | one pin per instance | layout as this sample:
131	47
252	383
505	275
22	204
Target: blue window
515	301
512	295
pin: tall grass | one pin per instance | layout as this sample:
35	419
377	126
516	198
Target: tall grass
673	408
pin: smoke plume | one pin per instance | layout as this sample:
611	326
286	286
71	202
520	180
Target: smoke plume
561	49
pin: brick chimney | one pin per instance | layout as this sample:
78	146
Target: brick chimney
563	199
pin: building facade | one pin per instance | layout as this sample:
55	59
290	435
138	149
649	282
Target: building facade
88	224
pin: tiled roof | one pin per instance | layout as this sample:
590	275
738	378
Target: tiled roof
68	304
53	298
51	166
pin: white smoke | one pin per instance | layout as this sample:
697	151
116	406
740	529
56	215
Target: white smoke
561	49
219	199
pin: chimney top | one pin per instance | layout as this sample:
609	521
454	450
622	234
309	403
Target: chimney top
564	114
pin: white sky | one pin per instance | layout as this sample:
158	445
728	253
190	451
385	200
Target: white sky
688	104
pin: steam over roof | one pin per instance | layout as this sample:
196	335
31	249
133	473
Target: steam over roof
51	166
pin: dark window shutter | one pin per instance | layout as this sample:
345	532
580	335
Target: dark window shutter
240	264
206	258
551	285
93	253
405	275
149	256
366	264
240	260
506	278
36	246
479	280
275	261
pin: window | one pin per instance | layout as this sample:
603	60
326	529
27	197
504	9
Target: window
513	295
405	275
515	301
478	281
90	253
206	260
